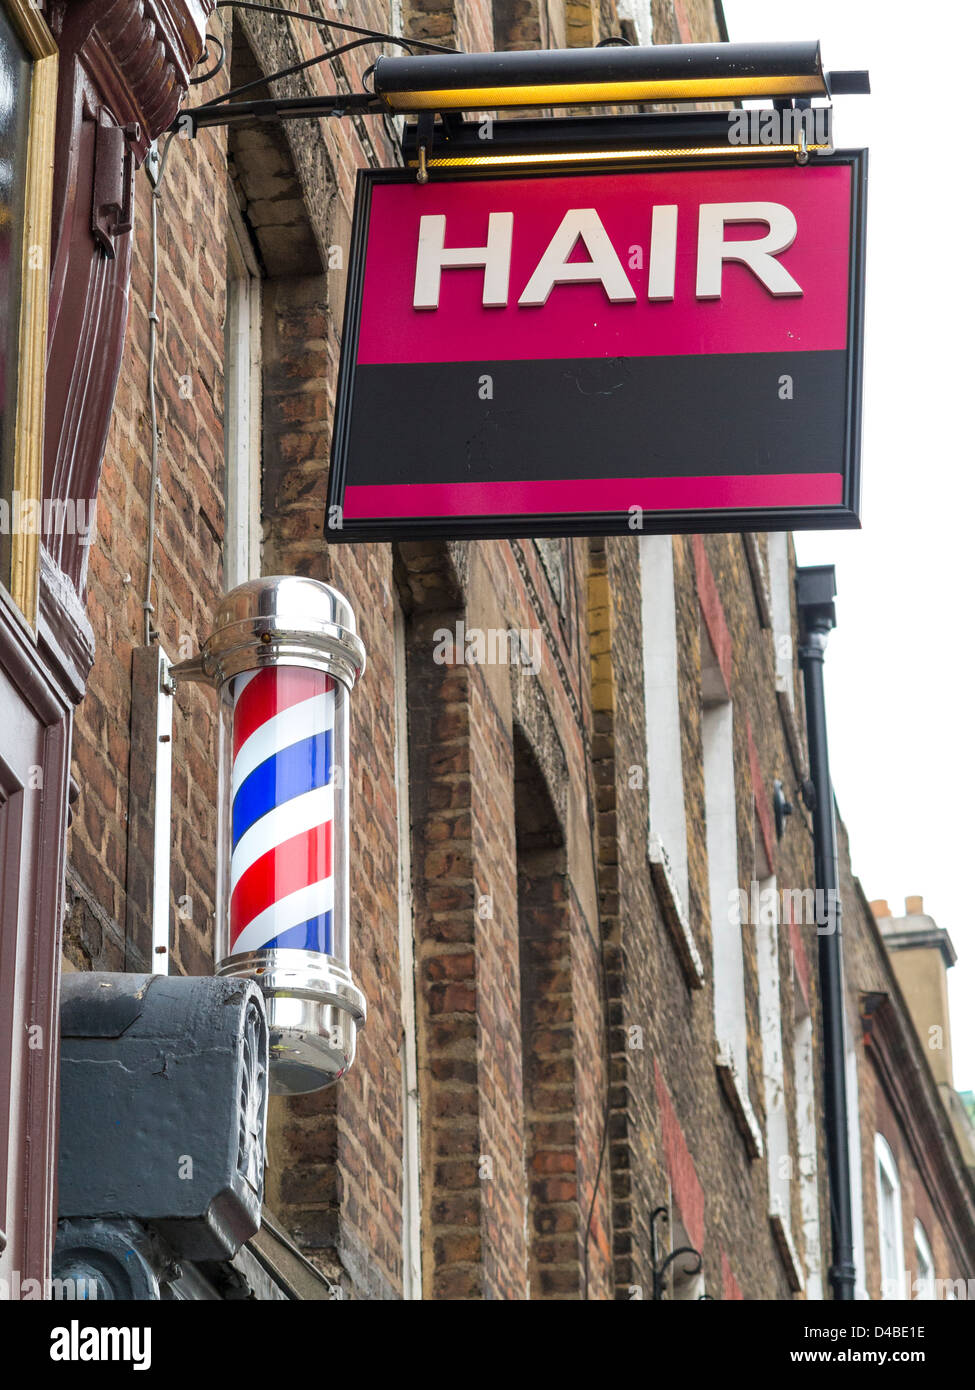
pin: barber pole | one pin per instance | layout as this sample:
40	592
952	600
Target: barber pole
284	655
281	877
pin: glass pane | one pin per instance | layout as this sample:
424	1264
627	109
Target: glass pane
15	76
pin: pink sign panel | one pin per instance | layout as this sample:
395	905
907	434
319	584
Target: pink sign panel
565	353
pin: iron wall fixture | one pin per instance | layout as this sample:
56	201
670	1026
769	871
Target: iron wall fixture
442	80
284	655
661	1266
228	109
154	1068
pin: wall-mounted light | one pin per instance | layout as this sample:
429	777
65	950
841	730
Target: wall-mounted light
615	76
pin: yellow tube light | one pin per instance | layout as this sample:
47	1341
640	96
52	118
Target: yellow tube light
487	161
599	94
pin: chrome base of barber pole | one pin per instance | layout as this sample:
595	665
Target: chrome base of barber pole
314	1012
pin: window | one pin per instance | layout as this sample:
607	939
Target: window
547	1031
924	1281
412	1273
242	406
28	105
667	842
720	810
889	1221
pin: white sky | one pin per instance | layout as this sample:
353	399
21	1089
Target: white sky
900	726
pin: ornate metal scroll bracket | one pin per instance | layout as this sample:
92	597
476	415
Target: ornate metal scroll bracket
660	1267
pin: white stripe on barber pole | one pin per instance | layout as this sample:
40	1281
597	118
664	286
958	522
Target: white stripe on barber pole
281	916
291	818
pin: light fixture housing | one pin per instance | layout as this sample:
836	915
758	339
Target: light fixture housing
616	76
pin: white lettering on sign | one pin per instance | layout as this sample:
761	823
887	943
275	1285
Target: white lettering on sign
759	255
663	252
432	256
604	267
555	268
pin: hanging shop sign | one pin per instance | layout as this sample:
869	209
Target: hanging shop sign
603	352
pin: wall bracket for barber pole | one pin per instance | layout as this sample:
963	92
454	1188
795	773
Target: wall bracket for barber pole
284	655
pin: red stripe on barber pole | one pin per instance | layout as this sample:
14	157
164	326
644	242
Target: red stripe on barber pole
272	690
293	865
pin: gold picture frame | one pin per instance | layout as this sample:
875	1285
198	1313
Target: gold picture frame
28	477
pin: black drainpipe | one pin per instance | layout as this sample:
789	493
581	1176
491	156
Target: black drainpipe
815	591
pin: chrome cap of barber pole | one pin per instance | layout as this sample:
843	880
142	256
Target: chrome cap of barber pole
314	1008
280	620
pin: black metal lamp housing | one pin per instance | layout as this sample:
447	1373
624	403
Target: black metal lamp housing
616	76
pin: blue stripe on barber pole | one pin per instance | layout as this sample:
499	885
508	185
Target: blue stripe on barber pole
313	935
292	772
297	722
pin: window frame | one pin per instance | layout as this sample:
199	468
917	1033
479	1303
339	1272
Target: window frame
412	1196
28	472
885	1167
923	1253
243	332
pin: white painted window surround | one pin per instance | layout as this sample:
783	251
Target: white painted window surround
856	1175
773	1063
889	1221
727	953
667	837
781	596
668	822
924	1273
639	13
780	1161
807	1145
242	408
412	1273
730	1024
